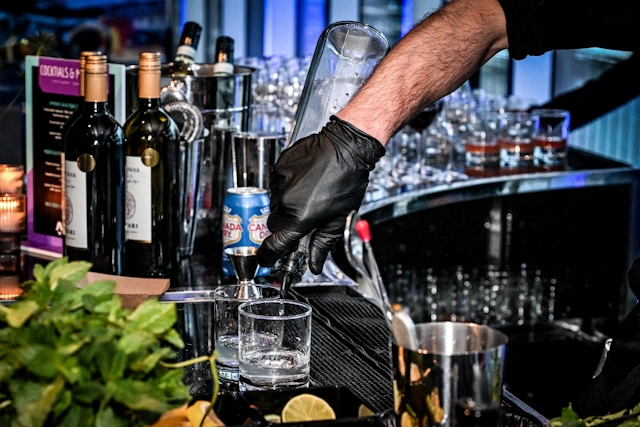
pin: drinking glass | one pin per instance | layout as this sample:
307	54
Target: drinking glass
227	300
550	133
514	139
274	345
482	152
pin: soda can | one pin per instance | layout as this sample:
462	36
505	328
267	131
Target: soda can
244	222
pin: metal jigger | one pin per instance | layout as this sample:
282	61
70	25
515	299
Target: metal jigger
244	262
245	265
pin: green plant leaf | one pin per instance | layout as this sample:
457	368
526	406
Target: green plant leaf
153	316
71	272
99	288
41	360
39	273
6	369
135	341
88	392
63	403
140	395
106	418
173	337
149	362
78	416
34	401
46	271
20	312
112	363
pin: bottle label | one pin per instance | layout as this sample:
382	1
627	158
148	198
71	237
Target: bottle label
258	230
231	229
138	200
75	195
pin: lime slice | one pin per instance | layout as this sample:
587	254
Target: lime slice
273	418
364	411
307	407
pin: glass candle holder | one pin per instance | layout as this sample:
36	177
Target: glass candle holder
10	277
13	213
11	178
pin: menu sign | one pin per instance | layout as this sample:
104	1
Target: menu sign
52	95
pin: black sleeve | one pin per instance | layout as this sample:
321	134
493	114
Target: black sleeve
612	89
538	26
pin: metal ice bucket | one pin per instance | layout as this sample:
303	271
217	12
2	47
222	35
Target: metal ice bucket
455	375
226	104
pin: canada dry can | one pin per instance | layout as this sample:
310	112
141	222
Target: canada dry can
244	222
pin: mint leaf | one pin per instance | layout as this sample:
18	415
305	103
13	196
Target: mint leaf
63	403
135	341
99	288
148	363
140	395
34	401
88	392
78	416
41	360
173	337
106	418
153	316
71	272
20	312
112	363
46	271
39	273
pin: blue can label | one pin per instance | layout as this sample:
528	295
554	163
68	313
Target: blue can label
244	222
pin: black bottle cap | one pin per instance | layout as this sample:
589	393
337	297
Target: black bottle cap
190	34
224	49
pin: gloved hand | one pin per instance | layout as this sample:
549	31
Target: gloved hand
314	185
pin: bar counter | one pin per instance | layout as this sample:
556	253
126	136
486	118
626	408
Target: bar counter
549	361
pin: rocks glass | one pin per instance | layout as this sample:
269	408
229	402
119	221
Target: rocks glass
550	134
227	300
274	345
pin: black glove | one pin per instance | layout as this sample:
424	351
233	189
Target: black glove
314	185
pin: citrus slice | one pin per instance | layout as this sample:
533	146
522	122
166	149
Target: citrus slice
364	411
273	418
195	414
307	407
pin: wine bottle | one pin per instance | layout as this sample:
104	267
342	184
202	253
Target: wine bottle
93	171
152	199
224	56
184	61
78	111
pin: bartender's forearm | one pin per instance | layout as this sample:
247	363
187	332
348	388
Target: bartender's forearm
432	60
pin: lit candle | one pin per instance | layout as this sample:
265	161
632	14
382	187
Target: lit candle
12	213
10	287
10	277
11	178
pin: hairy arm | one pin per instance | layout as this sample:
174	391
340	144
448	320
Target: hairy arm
432	60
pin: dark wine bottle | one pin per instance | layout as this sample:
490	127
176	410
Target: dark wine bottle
184	61
93	164
78	111
152	199
224	56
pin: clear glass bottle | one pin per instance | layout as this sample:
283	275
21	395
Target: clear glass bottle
152	154
93	165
